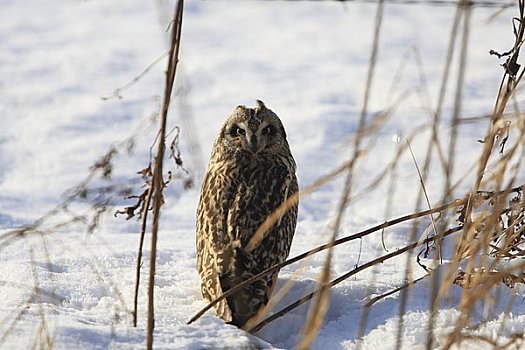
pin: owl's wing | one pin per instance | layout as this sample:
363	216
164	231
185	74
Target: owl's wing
259	194
214	245
262	192
231	208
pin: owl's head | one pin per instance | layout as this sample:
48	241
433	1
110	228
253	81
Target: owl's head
256	131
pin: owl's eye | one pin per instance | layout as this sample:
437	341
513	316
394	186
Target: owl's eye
237	131
268	130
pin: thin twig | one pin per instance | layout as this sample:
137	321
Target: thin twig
117	91
158	182
424	188
434	141
386	224
143	224
394	291
346	276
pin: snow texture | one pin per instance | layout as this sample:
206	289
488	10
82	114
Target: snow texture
308	62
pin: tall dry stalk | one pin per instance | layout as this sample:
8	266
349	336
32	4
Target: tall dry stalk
157	184
479	231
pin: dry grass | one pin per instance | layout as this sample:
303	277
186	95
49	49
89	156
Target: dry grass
102	199
491	223
485	227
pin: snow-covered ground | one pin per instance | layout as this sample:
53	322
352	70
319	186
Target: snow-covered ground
308	61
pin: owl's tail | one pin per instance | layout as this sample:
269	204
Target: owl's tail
248	303
211	289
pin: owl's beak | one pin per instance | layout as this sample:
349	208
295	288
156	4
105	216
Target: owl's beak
253	144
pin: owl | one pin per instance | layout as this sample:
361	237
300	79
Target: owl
250	174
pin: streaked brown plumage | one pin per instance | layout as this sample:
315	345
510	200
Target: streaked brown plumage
250	173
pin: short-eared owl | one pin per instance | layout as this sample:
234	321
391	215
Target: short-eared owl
250	173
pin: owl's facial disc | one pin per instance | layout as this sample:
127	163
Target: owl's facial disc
254	134
245	138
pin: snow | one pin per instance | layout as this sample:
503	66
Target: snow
308	61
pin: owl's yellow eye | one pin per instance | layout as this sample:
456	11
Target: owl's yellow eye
268	130
237	131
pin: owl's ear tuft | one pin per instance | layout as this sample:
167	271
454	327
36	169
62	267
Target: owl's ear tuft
260	105
240	108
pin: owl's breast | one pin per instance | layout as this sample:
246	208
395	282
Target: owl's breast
261	188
